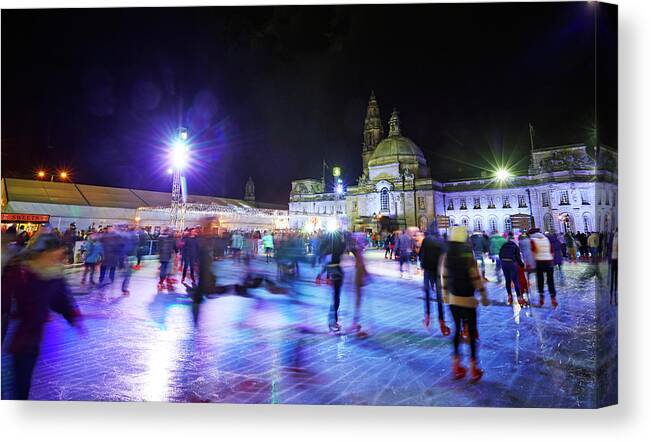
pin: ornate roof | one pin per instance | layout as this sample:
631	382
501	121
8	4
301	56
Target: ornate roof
396	147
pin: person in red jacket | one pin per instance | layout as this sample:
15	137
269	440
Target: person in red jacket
35	283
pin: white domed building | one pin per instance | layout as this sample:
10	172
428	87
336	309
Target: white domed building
571	187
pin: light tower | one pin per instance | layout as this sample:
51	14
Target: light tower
179	158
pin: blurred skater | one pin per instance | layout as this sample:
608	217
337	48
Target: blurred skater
37	285
461	279
431	251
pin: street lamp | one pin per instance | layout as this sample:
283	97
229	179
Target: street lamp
63	175
502	175
41	174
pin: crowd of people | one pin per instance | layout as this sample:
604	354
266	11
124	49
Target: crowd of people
453	267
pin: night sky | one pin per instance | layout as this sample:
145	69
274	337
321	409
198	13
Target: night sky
271	91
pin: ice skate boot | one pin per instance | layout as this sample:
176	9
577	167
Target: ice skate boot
445	330
458	371
509	300
542	300
426	321
475	372
554	302
521	301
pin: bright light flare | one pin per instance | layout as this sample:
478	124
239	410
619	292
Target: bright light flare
41	174
332	225
63	175
502	174
339	188
180	154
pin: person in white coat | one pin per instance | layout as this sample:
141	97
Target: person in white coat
543	253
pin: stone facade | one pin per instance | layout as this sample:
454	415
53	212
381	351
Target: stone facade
566	187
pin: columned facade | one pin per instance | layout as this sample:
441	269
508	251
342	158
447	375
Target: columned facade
571	187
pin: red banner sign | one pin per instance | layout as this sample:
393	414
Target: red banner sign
24	218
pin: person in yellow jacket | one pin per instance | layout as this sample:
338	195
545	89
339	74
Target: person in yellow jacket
461	278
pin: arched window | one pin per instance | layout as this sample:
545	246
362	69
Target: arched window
465	221
452	221
477	225
492	224
586	223
384	199
508	226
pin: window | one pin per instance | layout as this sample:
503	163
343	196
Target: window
477	203
492	223
451	204
607	198
522	201
462	204
545	199
477	225
586	223
508	225
584	198
491	203
547	223
464	222
384	199
452	221
421	203
355	206
565	198
506	204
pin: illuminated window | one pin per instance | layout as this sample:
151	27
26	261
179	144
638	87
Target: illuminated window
451	204
506	204
491	203
545	199
492	223
384	199
508	225
565	198
477	203
462	204
522	201
586	223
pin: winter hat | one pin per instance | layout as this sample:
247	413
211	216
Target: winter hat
458	234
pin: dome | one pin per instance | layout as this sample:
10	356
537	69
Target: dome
396	148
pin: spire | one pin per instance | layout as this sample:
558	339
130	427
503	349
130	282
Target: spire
373	132
394	124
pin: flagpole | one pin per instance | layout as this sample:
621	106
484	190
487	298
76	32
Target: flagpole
531	136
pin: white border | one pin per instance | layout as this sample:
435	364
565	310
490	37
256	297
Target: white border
53	421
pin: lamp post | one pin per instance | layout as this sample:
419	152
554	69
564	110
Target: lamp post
179	158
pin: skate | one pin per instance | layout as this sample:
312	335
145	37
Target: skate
509	300
554	302
160	287
445	330
426	321
475	372
125	293
542	300
317	281
336	327
458	371
522	301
